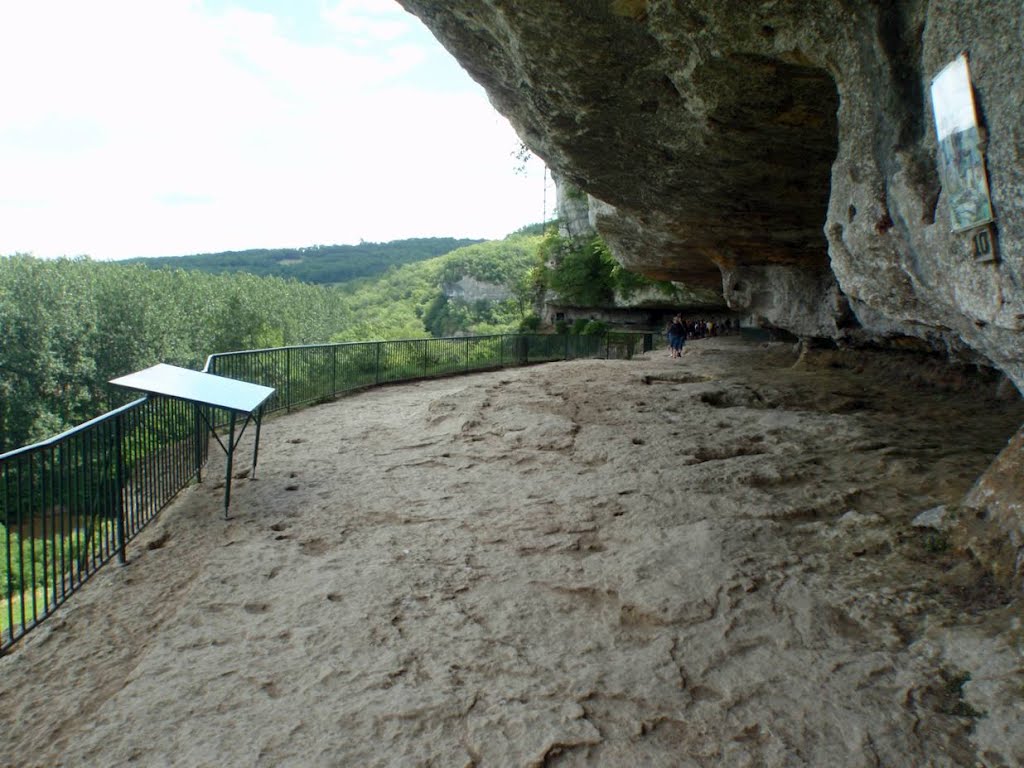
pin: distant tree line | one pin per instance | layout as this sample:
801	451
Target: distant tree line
321	264
68	326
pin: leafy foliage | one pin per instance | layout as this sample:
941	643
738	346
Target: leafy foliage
530	323
414	299
26	550
581	270
71	325
592	328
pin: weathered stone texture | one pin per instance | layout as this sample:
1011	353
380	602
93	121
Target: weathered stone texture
780	155
573	210
806	302
769	140
888	226
996	534
470	289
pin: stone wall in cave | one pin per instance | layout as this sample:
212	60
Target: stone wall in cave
784	154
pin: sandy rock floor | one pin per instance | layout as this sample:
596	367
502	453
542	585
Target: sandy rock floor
696	562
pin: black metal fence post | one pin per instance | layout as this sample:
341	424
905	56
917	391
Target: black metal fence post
9	589
119	489
199	434
288	378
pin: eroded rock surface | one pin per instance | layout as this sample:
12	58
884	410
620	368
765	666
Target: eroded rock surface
782	154
700	562
993	515
773	150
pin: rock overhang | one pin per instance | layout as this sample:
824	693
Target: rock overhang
787	149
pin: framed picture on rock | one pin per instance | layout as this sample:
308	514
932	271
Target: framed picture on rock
961	153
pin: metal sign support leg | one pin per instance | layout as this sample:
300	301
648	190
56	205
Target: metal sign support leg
256	447
230	456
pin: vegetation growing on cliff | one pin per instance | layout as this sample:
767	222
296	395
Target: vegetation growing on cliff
583	272
411	301
579	271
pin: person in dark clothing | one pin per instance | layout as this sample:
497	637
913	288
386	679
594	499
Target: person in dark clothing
677	336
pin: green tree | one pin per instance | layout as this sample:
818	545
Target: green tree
70	325
47	362
582	273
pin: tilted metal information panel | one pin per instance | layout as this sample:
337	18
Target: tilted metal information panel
207	389
197	387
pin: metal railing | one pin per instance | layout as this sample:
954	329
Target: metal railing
72	503
626	344
317	372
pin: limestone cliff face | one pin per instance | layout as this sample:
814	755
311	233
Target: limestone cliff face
573	210
784	154
470	289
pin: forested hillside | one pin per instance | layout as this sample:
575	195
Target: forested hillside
70	325
411	300
322	264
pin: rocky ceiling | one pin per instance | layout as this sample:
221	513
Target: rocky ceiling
782	152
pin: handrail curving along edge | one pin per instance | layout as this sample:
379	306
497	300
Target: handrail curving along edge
132	472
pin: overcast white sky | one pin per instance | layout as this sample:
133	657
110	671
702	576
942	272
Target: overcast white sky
167	127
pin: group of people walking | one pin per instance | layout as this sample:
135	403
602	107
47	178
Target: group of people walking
679	330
